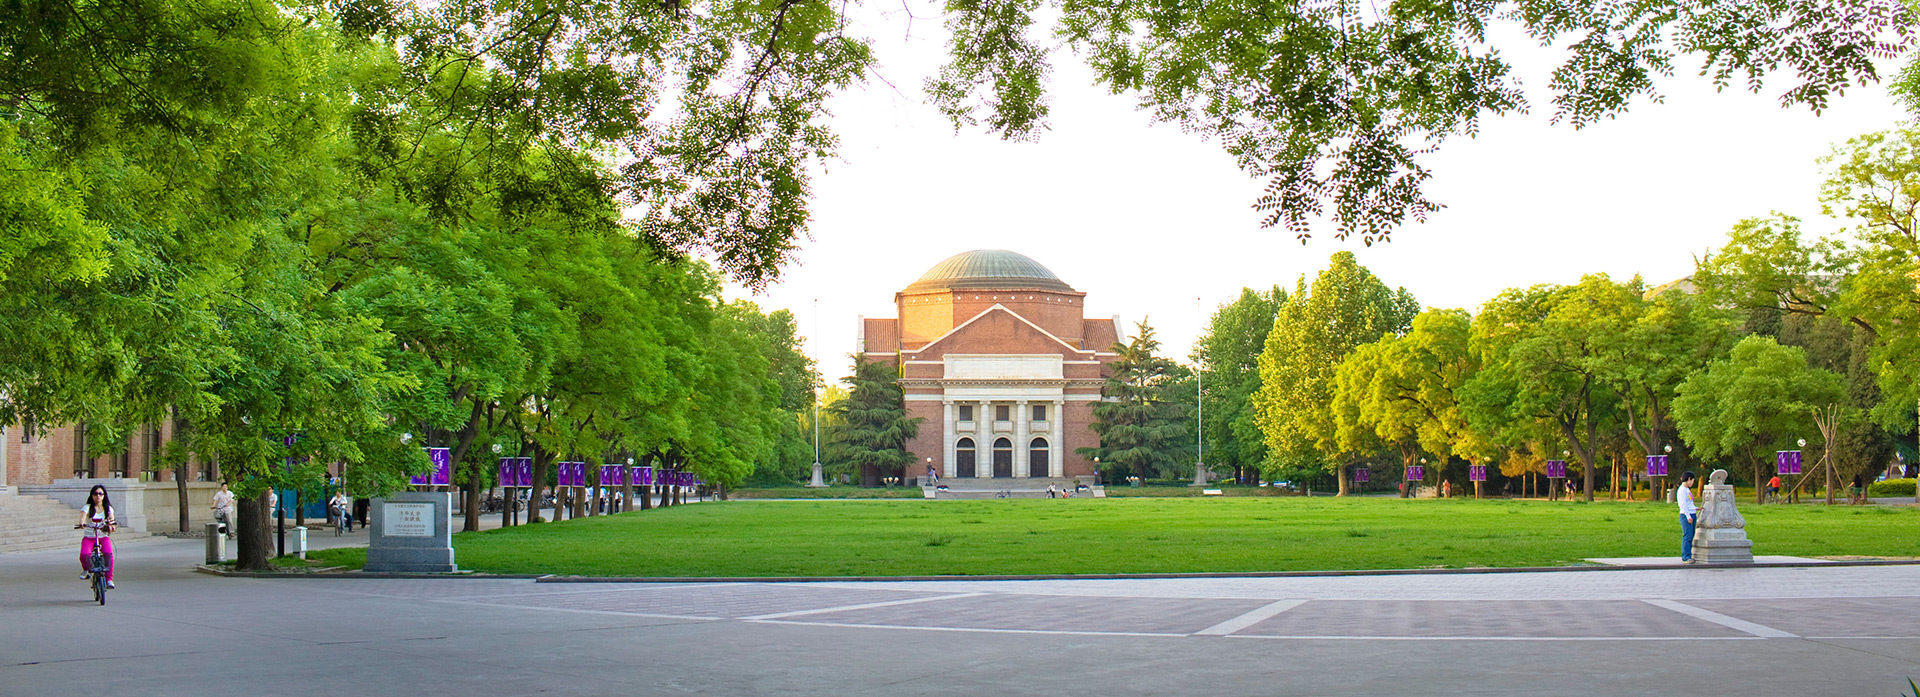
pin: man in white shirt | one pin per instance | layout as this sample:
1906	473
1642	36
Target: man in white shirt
1688	512
223	509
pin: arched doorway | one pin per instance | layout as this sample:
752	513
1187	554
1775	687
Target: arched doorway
1037	465
1002	458
963	458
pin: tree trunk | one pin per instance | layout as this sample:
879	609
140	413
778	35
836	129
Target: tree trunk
472	509
254	533
1759	487
180	485
1341	474
540	464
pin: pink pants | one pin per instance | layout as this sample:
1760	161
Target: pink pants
86	550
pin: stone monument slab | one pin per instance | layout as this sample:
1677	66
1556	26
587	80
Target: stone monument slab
1722	535
411	531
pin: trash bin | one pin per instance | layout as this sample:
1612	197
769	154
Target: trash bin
216	544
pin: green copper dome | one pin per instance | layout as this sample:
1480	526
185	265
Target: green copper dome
988	269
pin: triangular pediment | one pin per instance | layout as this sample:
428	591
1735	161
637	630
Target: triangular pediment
1004	322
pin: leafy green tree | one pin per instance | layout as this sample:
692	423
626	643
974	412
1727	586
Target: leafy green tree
1228	352
875	426
1668	338
1143	424
1312	333
1543	374
1335	104
1401	389
1757	400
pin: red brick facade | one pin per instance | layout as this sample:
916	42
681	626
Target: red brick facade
988	334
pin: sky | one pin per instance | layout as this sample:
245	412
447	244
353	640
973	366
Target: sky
1156	224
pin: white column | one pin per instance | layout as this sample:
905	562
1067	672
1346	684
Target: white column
948	439
1021	467
1057	445
983	436
3	458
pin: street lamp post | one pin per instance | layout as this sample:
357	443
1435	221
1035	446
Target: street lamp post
1200	416
818	480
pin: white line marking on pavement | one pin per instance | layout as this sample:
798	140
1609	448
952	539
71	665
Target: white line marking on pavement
1498	638
965	629
1251	618
1719	619
862	606
537	608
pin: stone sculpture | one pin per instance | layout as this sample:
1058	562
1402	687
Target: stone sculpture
1722	538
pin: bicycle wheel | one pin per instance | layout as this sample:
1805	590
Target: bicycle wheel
100	588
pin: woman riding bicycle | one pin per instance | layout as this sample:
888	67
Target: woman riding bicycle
97	524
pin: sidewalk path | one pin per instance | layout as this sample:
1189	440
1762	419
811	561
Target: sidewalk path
1694	631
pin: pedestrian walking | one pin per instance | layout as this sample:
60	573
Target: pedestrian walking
1688	514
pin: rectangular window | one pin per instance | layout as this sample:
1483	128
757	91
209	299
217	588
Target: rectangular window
1002	412
1039	412
82	465
966	412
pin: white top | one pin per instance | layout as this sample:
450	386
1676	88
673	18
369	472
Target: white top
223	500
1686	501
95	525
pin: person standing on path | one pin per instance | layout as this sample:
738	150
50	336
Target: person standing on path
1688	514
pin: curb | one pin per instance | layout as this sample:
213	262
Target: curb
327	573
551	578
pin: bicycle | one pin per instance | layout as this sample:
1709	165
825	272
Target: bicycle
97	571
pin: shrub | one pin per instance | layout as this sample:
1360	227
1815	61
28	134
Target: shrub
1891	487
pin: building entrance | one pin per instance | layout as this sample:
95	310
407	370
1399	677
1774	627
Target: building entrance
1003	458
963	459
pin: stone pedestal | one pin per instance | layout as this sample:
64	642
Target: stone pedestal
1722	546
1722	535
411	531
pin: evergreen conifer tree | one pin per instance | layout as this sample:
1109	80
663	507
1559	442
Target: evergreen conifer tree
875	426
1142	428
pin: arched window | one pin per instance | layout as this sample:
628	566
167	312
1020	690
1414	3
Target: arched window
963	458
1037	465
1002	458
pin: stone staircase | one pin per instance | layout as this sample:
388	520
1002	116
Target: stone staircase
37	522
1008	488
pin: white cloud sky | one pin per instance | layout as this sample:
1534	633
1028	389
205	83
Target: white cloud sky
1153	222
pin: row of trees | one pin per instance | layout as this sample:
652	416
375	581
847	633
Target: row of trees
1723	368
373	227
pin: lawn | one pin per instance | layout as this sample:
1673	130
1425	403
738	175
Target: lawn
1042	536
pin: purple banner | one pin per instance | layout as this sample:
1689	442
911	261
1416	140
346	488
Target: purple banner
1416	472
523	472
609	475
1787	462
646	476
633	476
508	469
1656	465
1476	473
1360	474
442	465
1556	469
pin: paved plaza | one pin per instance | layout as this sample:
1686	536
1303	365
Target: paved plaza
1695	631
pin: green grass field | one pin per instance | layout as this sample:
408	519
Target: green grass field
1075	536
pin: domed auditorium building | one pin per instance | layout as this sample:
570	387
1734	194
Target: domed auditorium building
995	353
